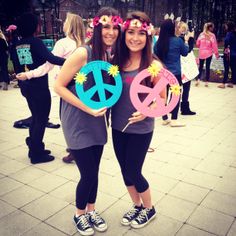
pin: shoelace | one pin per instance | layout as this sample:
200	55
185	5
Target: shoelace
142	215
131	212
83	222
96	218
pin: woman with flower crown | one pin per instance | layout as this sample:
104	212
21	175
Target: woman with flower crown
85	128
131	142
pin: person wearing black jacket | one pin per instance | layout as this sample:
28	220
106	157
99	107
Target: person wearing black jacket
181	29
31	53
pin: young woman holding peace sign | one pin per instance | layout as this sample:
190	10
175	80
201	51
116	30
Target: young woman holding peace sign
131	144
85	128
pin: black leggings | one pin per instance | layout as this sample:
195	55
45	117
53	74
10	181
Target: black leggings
208	64
130	150
87	161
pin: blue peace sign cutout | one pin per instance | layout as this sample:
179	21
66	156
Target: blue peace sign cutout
100	86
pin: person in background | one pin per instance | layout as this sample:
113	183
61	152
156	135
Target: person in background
168	49
229	55
131	145
4	60
84	128
207	44
181	31
31	53
75	36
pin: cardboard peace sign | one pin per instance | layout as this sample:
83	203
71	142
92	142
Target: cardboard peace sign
100	87
153	94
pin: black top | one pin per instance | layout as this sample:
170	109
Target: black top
32	53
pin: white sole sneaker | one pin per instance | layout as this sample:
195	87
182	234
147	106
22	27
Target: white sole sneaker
137	226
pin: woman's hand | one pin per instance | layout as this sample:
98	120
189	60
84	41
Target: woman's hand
21	76
136	117
97	112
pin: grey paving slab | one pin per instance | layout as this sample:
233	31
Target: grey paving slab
44	207
162	225
221	202
191	172
22	223
42	230
22	196
190	230
5	208
7	185
176	208
189	192
211	221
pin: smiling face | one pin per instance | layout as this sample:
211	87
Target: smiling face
135	38
110	34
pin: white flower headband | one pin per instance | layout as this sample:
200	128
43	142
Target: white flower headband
115	20
148	27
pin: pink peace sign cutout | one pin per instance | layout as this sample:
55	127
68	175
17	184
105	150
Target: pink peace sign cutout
153	94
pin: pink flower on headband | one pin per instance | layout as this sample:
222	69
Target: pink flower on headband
144	26
148	27
95	21
116	20
104	19
126	24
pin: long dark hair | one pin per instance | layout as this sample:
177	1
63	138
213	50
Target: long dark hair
96	40
167	31
147	56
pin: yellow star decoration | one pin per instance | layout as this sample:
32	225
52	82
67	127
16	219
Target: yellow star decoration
175	89
113	70
153	70
80	78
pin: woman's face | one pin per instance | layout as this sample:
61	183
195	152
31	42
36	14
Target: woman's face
135	38
110	33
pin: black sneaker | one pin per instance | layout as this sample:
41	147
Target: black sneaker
131	214
83	226
144	217
97	221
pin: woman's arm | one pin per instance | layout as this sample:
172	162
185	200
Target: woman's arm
72	65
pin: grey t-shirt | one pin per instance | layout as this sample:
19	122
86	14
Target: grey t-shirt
80	129
123	110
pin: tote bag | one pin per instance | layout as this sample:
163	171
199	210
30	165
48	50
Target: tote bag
189	67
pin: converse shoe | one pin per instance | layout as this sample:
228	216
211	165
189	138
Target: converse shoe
131	214
96	221
144	217
83	226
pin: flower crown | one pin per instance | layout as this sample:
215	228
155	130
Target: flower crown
148	27
115	20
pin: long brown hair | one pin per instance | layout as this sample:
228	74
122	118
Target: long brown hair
96	40
147	56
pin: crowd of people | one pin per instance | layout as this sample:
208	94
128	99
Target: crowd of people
127	43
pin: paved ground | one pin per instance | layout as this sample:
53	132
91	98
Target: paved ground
192	175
